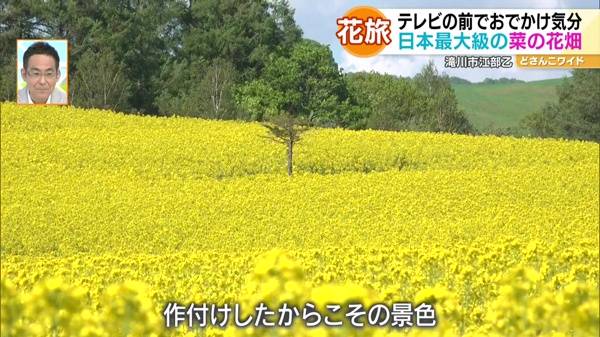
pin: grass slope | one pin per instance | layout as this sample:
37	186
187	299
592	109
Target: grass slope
504	105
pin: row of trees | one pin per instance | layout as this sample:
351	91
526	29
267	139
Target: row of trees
219	59
151	57
426	102
246	59
577	112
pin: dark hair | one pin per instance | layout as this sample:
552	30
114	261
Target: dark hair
40	48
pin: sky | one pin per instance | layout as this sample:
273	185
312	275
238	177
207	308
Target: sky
318	22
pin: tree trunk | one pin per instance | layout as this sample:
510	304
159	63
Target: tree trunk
290	149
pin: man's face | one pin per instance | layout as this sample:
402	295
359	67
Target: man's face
41	76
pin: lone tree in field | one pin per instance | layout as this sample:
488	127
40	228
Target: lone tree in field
301	88
286	129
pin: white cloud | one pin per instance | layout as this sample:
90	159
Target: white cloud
385	64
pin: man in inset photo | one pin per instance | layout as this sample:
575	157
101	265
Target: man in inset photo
41	72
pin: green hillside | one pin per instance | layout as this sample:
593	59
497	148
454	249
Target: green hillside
503	105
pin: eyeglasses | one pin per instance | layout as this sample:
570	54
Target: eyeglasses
36	75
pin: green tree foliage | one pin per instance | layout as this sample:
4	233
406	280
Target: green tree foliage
130	30
441	106
30	19
577	113
386	102
426	102
158	42
501	80
227	42
15	23
241	32
216	90
107	89
211	96
306	83
8	80
220	59
302	88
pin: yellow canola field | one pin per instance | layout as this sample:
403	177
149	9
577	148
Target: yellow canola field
107	217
